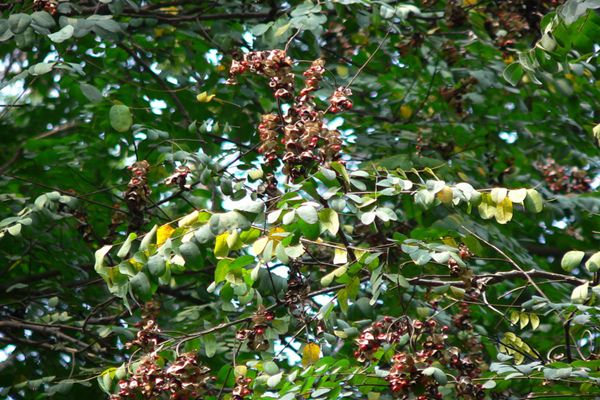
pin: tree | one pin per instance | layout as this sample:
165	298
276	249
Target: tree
335	199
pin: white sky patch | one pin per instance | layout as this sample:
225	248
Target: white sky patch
335	123
6	352
213	56
157	106
249	38
509	137
155	69
561	223
12	91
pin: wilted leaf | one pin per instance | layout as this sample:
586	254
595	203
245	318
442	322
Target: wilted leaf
163	233
310	354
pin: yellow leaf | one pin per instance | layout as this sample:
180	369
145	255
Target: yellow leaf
189	219
205	97
535	321
170	10
221	247
276	234
486	208
463	176
508	59
342	71
310	354
136	264
340	256
163	233
514	317
405	111
523	320
504	211
445	195
517	195
259	245
449	240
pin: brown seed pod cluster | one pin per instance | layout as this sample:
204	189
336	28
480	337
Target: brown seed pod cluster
255	337
184	378
267	131
387	330
297	291
408	376
242	388
137	193
455	14
559	180
179	178
146	338
454	95
273	64
300	138
340	101
50	6
337	37
507	21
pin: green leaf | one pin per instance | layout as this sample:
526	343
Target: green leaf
557	373
15	229
156	265
120	118
308	213
534	201
99	257
580	293
89	91
19	22
210	345
330	220
274	380
64	34
148	238
141	285
437	374
294	251
41	68
270	368
222	270
593	263
43	19
571	259
124	250
513	73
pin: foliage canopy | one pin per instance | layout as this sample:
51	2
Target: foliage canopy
335	199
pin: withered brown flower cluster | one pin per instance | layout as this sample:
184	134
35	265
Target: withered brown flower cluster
428	346
299	137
